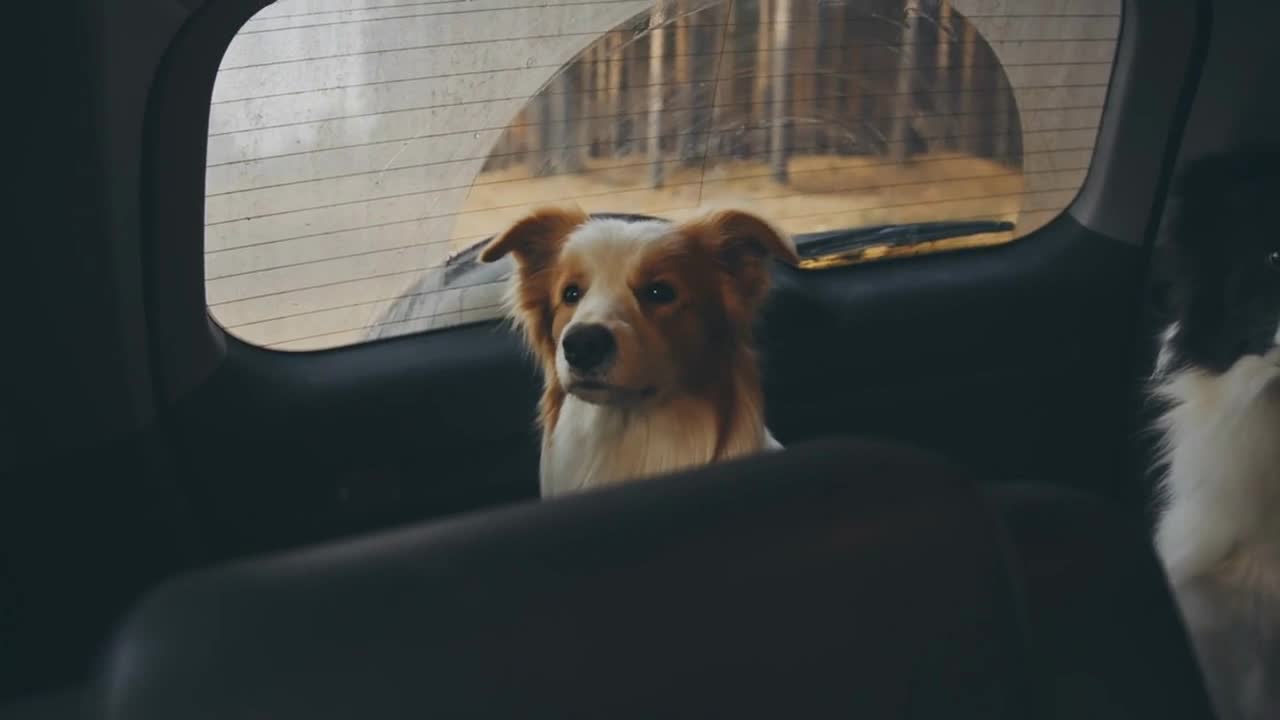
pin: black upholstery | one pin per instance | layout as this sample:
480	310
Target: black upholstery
1107	642
838	578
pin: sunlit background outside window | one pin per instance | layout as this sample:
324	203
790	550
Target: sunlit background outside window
358	148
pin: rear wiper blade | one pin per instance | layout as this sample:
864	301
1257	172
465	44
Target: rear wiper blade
838	242
463	267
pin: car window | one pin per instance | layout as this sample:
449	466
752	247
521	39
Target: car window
360	150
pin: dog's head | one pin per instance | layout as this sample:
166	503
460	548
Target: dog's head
1225	251
623	312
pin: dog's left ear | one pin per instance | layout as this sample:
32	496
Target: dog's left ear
744	243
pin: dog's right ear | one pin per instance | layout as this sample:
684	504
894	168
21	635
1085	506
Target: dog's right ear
535	239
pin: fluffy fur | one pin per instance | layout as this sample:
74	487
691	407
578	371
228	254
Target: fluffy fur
680	384
1218	375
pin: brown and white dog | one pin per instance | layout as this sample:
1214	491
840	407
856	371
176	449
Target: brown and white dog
643	329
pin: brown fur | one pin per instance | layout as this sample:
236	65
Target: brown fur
535	242
735	247
718	266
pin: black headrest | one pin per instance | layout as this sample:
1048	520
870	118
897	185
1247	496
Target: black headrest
838	578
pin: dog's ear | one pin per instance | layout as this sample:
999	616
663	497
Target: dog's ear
536	238
535	242
743	244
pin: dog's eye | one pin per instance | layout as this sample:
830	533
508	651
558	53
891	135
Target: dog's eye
659	292
1273	260
571	294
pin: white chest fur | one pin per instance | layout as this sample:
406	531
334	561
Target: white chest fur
594	446
1222	450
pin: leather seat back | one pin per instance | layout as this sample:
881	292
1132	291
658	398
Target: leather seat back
837	578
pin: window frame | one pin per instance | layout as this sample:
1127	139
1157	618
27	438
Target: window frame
188	345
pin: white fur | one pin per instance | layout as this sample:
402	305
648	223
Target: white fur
1221	447
607	248
596	445
1219	532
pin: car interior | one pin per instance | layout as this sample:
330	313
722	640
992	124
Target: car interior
197	522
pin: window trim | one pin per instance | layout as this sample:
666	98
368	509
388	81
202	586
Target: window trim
188	345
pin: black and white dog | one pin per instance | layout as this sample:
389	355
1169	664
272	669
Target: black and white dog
1218	377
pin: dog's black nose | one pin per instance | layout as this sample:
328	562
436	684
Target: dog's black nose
587	347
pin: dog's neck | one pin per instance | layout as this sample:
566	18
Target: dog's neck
1221	451
586	446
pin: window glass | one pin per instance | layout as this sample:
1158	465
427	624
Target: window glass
359	150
